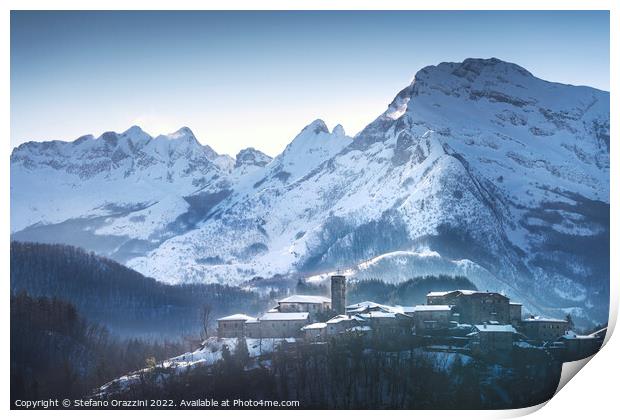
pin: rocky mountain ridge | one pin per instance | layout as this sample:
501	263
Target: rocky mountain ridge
476	168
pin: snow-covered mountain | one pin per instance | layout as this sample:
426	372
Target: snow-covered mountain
117	194
476	168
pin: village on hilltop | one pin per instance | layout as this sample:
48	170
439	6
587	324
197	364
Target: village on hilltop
480	322
475	324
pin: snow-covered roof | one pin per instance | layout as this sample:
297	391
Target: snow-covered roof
495	328
284	316
437	294
305	299
236	317
544	319
447	292
407	309
339	318
471	292
368	305
379	314
463	292
315	326
427	308
572	335
516	303
364	304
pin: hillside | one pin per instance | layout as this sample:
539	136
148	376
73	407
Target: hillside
122	299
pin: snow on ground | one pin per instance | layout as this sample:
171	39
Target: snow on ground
209	353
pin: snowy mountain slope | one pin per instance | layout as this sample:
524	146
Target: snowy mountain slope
476	164
118	194
523	179
477	161
252	230
249	160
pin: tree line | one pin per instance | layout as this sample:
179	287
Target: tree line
410	292
57	353
350	373
122	299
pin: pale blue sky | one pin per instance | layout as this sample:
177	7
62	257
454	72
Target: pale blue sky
240	79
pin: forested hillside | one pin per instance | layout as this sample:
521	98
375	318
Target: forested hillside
55	352
122	299
407	293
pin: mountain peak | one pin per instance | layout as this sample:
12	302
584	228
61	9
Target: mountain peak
251	156
317	126
136	134
135	131
182	132
447	77
338	131
472	69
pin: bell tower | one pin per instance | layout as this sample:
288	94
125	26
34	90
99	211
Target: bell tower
339	292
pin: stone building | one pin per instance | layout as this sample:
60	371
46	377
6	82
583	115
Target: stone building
339	293
445	298
579	347
340	323
544	329
233	325
383	319
315	332
252	328
282	324
516	310
388	323
474	307
492	338
431	317
304	303
368	306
